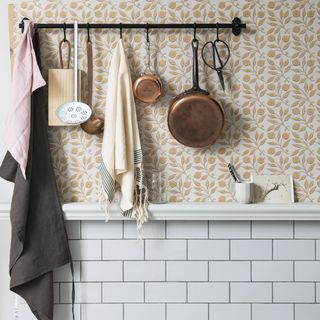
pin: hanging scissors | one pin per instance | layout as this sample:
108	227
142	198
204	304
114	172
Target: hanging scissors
218	64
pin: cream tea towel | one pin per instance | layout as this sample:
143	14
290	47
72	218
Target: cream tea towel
121	156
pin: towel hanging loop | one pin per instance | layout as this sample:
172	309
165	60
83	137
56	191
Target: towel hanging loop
194	31
22	23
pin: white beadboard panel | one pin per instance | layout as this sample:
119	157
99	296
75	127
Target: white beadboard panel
250	292
273	312
85	249
56	292
272	229
251	249
208	292
150	230
307	311
85	292
230	312
318	292
101	271
101	230
73	229
63	274
144	270
307	229
123	249
208	249
187	311
115	292
187	271
166	249
294	292
144	312
101	312
187	229
272	271
165	292
294	249
307	271
64	311
229	229
229	271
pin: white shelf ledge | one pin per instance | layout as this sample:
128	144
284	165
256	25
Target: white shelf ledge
194	211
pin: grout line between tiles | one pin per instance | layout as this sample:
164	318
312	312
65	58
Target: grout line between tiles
166	311
101	288
187	249
165	229
187	292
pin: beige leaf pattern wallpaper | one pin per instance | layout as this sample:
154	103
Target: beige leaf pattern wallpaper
272	100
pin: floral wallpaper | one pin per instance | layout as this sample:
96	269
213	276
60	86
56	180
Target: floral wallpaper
272	100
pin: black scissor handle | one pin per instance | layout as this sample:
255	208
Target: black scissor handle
215	53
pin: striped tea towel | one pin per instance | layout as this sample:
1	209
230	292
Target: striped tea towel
121	160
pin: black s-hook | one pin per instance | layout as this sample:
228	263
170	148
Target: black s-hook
88	32
147	28
64	32
218	27
120	30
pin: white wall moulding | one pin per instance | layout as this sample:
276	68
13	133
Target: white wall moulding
194	211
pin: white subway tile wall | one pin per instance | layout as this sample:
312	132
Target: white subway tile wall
203	270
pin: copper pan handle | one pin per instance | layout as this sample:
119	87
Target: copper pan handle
195	72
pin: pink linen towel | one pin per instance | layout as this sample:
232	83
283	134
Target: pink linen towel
26	79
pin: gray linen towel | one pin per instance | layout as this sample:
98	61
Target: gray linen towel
39	241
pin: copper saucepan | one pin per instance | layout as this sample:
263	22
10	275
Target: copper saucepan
195	119
148	88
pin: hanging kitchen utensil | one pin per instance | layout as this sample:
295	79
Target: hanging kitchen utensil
74	112
95	124
217	63
195	119
60	83
147	88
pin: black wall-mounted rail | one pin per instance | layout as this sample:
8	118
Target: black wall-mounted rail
236	26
